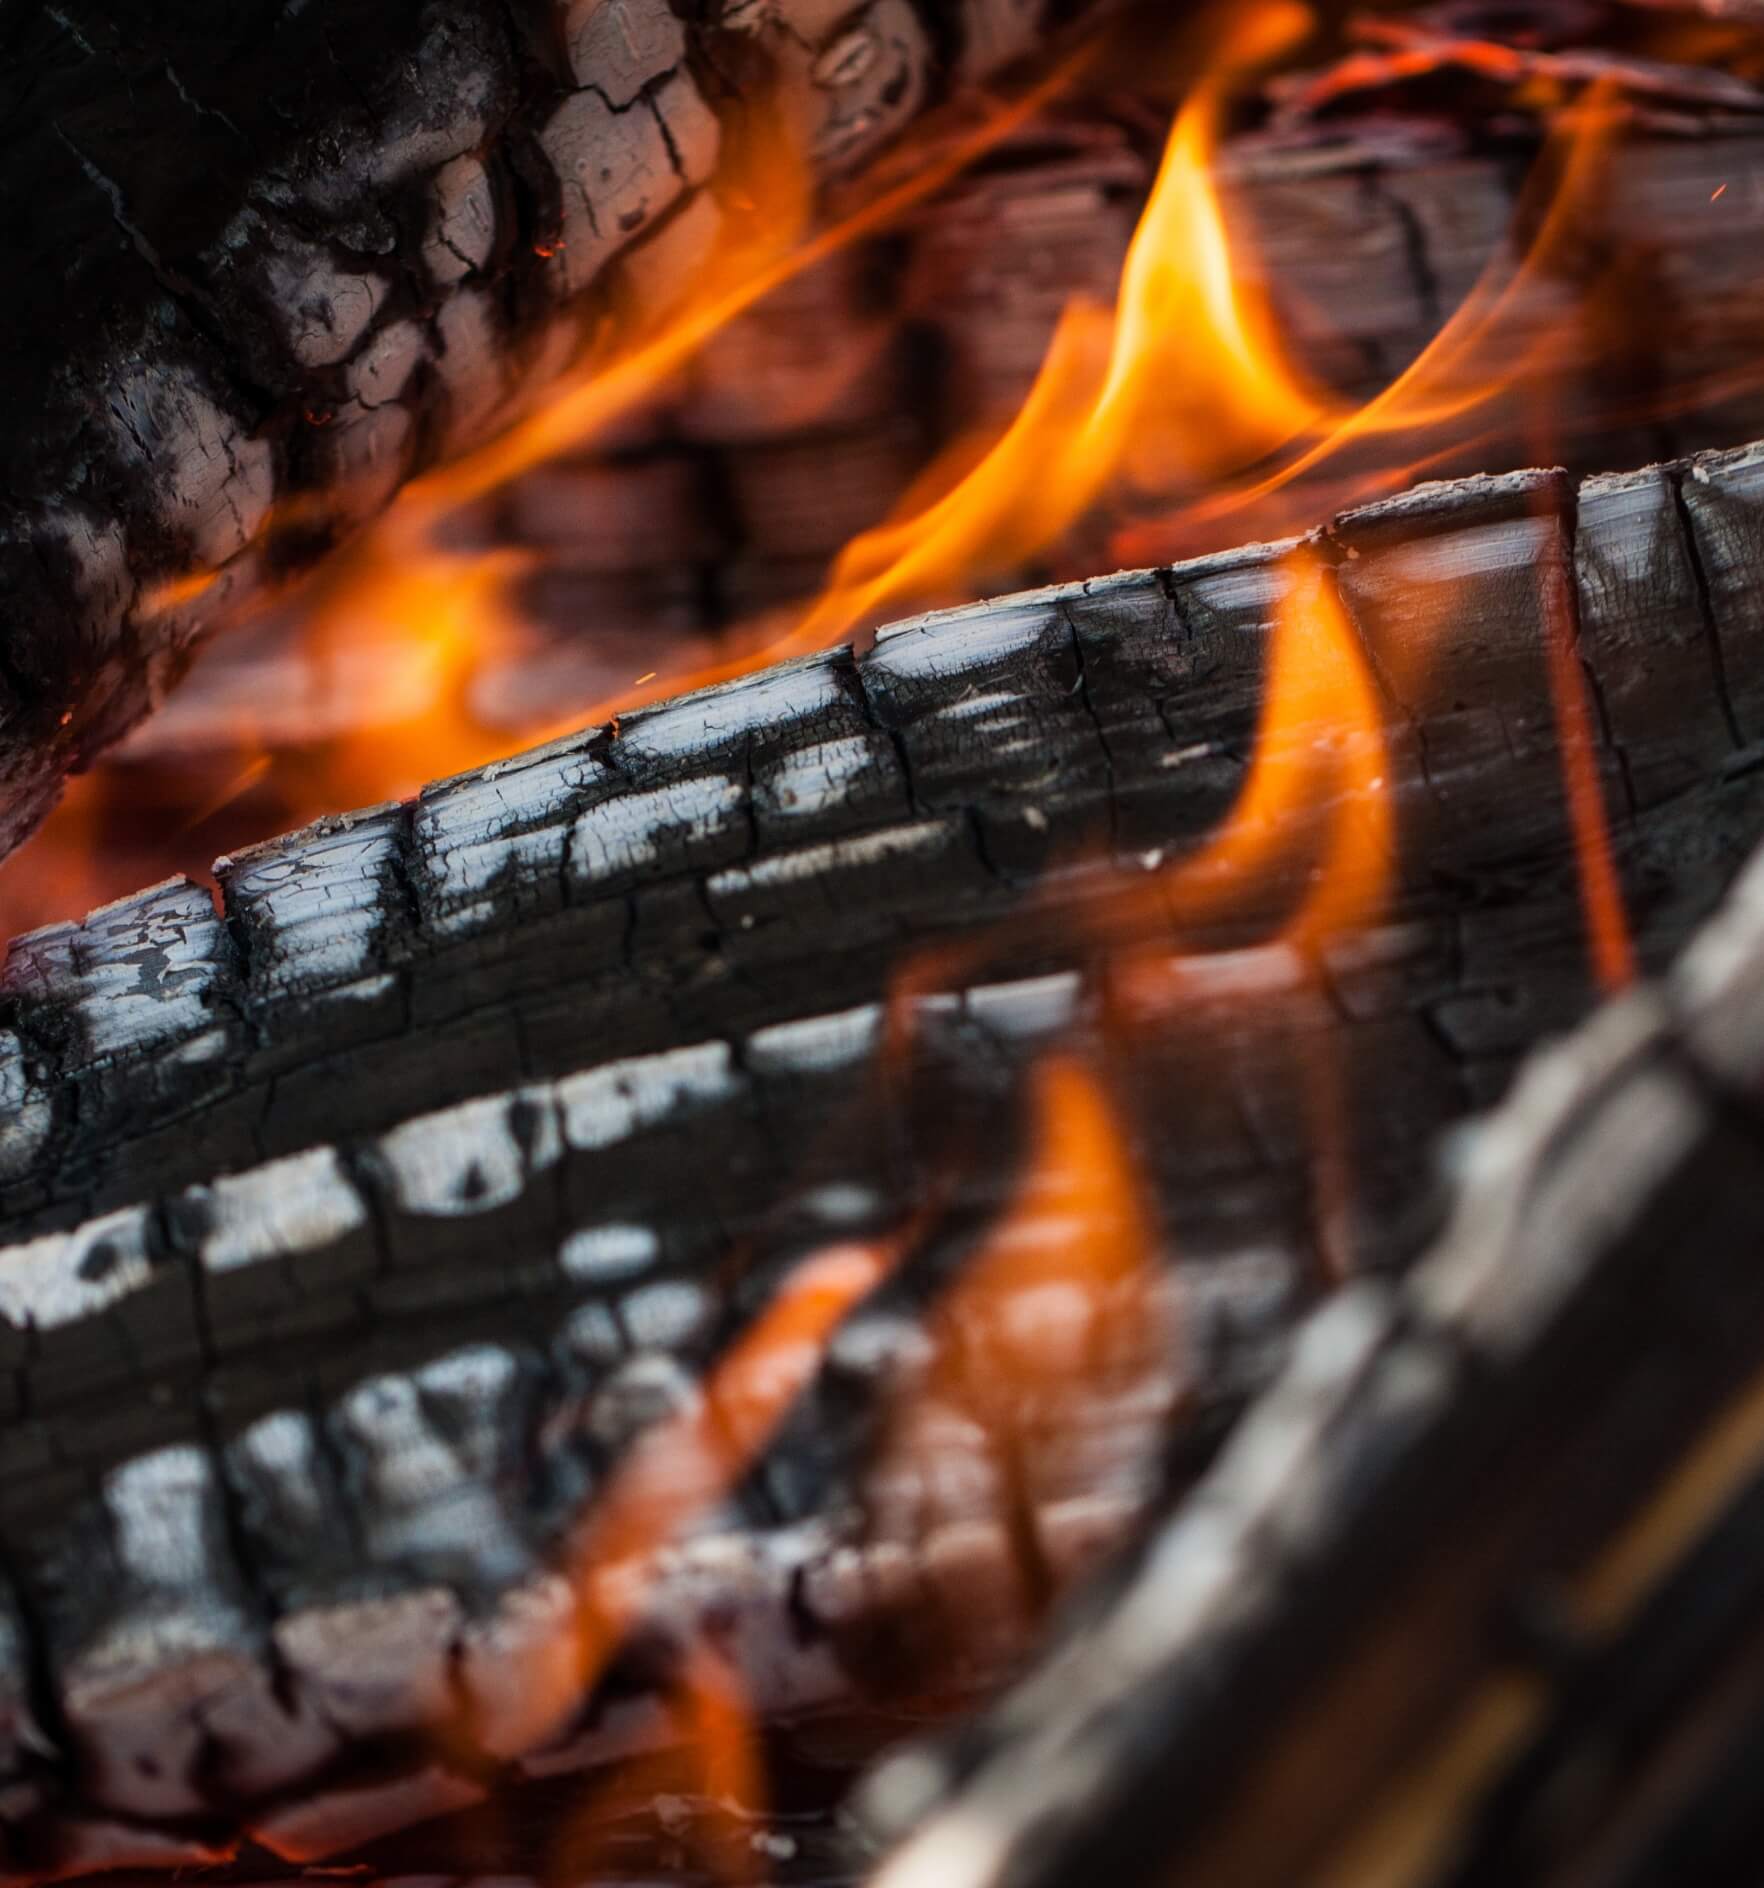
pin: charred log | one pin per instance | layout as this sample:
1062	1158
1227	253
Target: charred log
375	1254
1471	1596
266	264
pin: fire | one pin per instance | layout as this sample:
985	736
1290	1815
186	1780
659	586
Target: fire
713	1752
686	1464
1046	1383
1078	1230
1180	390
1183	387
1320	760
1481	354
1317	806
1185	373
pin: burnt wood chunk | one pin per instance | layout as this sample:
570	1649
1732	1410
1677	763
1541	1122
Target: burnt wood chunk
363	1230
271	264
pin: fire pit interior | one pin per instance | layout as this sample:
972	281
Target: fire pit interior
946	1057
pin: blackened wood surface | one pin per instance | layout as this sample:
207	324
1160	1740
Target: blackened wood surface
266	262
703	866
1470	1595
417	1183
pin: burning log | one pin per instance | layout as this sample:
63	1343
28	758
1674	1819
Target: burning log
263	273
308	1502
660	547
1471	1596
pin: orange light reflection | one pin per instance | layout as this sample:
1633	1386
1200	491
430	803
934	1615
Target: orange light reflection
686	1464
714	1752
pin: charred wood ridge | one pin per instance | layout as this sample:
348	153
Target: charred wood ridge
624	890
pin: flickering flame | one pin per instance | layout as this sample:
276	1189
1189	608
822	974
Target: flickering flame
773	245
1480	354
713	1751
1185	375
680	1469
1320	760
1610	943
1316	806
1074	1244
407	627
1178	391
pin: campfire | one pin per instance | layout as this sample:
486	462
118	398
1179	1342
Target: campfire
943	1064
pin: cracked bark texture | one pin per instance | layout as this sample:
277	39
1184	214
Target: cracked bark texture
361	1226
269	262
1471	1595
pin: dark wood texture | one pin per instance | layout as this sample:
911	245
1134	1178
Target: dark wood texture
1470	1596
361	1225
267	263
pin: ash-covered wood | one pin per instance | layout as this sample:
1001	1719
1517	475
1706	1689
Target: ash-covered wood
361	1227
265	263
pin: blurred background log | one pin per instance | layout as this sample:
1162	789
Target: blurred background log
1471	1596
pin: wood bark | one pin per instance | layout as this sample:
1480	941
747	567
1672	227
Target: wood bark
269	262
1471	1594
352	1244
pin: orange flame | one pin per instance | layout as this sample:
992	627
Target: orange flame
1042	1351
777	193
1186	368
1314	823
1477	356
1320	758
1610	942
682	1467
1318	799
1078	1226
714	1752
